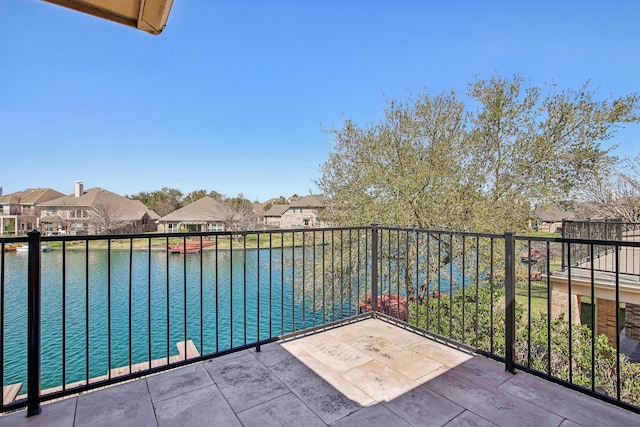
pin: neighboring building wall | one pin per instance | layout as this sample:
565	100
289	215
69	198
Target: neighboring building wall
302	217
560	304
272	221
291	219
176	227
606	312
549	227
632	321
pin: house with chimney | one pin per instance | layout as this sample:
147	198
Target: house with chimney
20	211
95	211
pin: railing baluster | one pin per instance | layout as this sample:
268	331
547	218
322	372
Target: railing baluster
374	269
270	284
258	292
64	315
167	294
510	299
304	251
293	281
313	280
217	298
2	313
149	337
231	291
33	315
109	356
491	289
184	295
130	303
86	306
201	297
244	285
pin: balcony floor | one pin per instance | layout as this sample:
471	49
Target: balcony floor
367	373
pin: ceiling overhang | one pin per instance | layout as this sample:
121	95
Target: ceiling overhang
146	15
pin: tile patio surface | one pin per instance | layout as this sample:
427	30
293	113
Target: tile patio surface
369	373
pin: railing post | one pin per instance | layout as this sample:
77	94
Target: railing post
510	298
374	268
563	235
33	319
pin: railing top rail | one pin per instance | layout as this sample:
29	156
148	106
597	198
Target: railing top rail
600	221
600	242
519	237
453	233
154	235
6	240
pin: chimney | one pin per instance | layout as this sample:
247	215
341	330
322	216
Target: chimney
79	189
0	190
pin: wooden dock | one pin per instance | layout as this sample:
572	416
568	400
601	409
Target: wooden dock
189	247
186	350
9	392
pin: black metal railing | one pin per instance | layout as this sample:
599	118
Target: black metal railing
597	256
97	310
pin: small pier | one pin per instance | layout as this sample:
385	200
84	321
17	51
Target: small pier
9	392
186	350
188	247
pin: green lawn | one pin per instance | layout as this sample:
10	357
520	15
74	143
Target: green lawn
223	242
538	299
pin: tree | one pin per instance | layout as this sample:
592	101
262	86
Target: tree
574	362
199	194
616	195
485	329
237	214
162	201
436	163
193	196
106	218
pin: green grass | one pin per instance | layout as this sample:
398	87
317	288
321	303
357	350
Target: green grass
223	242
540	234
538	300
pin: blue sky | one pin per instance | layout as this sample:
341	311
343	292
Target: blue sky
237	96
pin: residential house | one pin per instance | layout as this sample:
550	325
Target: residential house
299	213
19	212
273	217
205	214
549	218
95	211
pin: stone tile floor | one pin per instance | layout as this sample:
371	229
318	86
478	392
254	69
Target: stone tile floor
368	373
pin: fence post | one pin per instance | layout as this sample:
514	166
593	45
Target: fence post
510	298
33	319
563	235
374	268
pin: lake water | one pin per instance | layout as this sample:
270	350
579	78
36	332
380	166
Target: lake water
142	303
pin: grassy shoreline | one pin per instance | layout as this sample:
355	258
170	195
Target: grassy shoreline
160	243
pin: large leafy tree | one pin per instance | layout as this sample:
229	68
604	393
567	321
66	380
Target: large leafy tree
162	201
436	162
199	194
